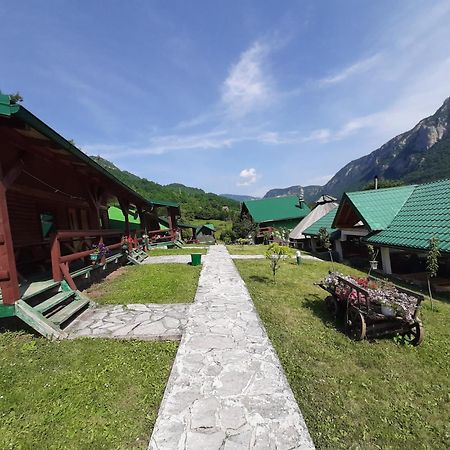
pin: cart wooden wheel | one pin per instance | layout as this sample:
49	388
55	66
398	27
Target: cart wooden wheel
332	306
356	324
415	334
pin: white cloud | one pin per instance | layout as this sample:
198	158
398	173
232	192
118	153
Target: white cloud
247	177
358	67
248	86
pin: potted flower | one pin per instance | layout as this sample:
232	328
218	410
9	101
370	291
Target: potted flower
99	253
372	257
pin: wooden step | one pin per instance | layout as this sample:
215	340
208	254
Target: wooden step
68	311
53	301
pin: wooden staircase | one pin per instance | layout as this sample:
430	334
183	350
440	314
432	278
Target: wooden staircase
137	256
54	310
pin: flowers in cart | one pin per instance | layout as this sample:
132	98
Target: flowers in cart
391	302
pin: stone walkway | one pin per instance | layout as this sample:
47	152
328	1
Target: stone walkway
146	322
227	389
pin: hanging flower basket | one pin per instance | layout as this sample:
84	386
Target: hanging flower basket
93	257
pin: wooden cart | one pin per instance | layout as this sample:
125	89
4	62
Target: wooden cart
365	319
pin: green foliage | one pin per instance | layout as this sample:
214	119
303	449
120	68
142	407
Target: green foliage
372	253
243	227
324	239
282	234
432	264
353	394
276	253
161	283
195	203
227	236
382	183
434	164
82	394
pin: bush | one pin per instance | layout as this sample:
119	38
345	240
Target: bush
227	236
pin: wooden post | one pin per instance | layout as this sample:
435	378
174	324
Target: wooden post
386	260
55	253
9	282
124	206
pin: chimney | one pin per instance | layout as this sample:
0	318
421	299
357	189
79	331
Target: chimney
375	182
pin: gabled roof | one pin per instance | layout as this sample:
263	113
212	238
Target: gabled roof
277	208
376	208
316	214
209	226
325	221
426	212
11	110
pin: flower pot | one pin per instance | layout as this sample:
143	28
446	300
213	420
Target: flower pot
374	265
387	311
93	257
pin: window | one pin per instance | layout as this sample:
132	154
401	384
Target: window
47	224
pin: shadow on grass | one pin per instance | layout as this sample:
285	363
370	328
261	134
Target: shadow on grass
259	279
318	307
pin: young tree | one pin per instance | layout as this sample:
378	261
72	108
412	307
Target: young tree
244	227
276	253
324	241
432	265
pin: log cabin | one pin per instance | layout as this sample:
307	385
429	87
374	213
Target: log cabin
54	203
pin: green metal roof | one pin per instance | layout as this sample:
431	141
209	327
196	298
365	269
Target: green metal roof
325	221
426	212
115	213
209	226
377	208
163	203
278	208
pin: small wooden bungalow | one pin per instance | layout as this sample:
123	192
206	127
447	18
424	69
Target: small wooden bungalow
272	213
399	222
205	233
53	209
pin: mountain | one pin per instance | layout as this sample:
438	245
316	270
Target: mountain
195	203
399	158
239	198
310	193
419	155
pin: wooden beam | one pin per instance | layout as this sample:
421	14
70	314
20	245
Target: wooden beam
10	282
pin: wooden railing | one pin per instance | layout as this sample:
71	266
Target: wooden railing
263	230
60	263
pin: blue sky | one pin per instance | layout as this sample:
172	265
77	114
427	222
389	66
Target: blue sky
236	96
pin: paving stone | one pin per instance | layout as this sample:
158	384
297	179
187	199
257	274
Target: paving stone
240	398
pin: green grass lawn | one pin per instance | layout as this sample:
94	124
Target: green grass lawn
176	251
158	283
247	249
83	394
363	394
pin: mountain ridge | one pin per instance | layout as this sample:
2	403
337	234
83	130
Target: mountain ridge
195	203
418	155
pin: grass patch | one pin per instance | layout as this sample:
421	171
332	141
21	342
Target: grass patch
83	394
176	251
247	249
158	283
354	394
